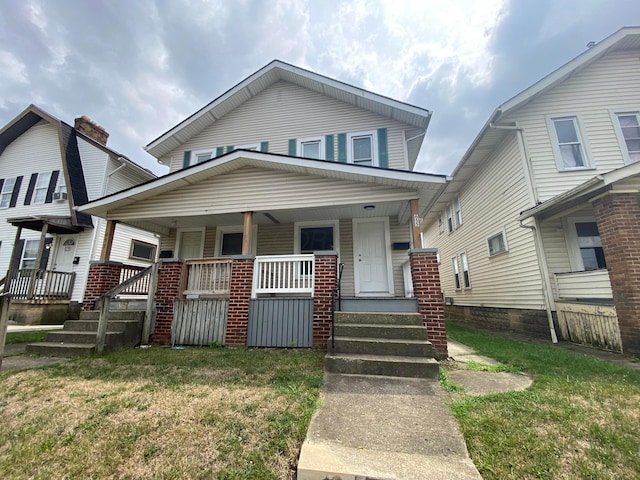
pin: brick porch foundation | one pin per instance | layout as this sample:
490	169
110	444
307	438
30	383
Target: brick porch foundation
326	269
169	281
102	277
239	298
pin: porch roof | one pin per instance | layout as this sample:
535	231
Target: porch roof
423	186
59	225
623	180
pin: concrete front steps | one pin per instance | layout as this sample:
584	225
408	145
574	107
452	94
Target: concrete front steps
78	337
381	343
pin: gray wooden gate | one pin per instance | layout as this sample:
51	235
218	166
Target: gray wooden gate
199	321
280	322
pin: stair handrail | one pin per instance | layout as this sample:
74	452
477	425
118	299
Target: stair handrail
336	294
104	305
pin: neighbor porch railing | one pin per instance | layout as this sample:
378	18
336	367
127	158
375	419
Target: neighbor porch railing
591	284
30	284
278	274
208	276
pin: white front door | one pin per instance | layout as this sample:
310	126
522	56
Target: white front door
190	243
65	253
371	256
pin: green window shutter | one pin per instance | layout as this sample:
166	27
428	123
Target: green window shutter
264	146
342	147
186	159
230	148
328	147
292	147
219	151
383	151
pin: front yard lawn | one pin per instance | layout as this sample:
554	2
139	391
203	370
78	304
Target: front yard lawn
160	413
579	419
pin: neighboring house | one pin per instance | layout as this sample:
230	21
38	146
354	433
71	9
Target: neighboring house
286	171
540	223
47	169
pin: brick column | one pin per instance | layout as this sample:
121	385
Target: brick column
618	217
426	288
102	277
325	279
169	281
239	297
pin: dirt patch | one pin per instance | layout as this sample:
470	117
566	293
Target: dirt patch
22	362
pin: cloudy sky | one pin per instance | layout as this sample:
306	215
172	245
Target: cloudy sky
139	67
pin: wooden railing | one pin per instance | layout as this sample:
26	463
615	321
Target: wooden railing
283	274
582	285
208	276
30	284
140	287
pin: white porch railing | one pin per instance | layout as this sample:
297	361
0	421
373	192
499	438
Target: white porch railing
208	276
581	285
283	274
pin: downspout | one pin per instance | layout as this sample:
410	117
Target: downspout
547	295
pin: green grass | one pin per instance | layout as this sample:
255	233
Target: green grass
579	419
160	413
26	337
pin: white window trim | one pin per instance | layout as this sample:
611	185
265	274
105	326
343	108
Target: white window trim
179	232
248	146
36	188
504	238
571	237
455	265
449	213
10	192
457	212
194	155
462	270
61	186
24	250
146	244
320	223
616	126
320	140
220	231
586	150
374	145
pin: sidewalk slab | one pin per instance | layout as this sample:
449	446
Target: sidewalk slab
383	428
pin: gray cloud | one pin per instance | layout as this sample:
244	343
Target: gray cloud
138	68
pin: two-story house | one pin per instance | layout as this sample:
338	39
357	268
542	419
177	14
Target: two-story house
285	185
539	229
47	168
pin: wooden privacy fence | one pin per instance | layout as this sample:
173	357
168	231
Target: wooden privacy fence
280	322
30	284
589	324
208	277
199	321
283	274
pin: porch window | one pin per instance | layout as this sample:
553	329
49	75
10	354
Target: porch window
465	270
231	244
29	254
312	237
362	148
630	130
590	245
7	191
312	147
569	146
229	240
456	272
41	187
142	250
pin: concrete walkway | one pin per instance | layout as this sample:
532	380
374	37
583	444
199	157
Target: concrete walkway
383	428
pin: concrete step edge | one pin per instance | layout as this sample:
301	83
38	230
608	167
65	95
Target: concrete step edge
382	340
381	358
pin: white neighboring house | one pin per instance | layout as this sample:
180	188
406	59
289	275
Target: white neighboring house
47	168
538	230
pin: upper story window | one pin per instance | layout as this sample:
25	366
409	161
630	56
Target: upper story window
568	146
362	148
630	130
199	156
248	146
61	187
449	218
41	188
312	147
458	210
7	192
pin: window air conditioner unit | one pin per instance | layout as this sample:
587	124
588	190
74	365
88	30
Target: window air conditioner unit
59	196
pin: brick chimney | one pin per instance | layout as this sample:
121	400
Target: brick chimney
91	129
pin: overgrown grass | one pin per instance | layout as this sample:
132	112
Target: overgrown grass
160	413
580	418
26	337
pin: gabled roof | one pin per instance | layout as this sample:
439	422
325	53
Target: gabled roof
627	38
267	76
428	186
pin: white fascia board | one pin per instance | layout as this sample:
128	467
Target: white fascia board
313	167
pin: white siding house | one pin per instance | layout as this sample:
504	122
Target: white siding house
533	190
48	168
